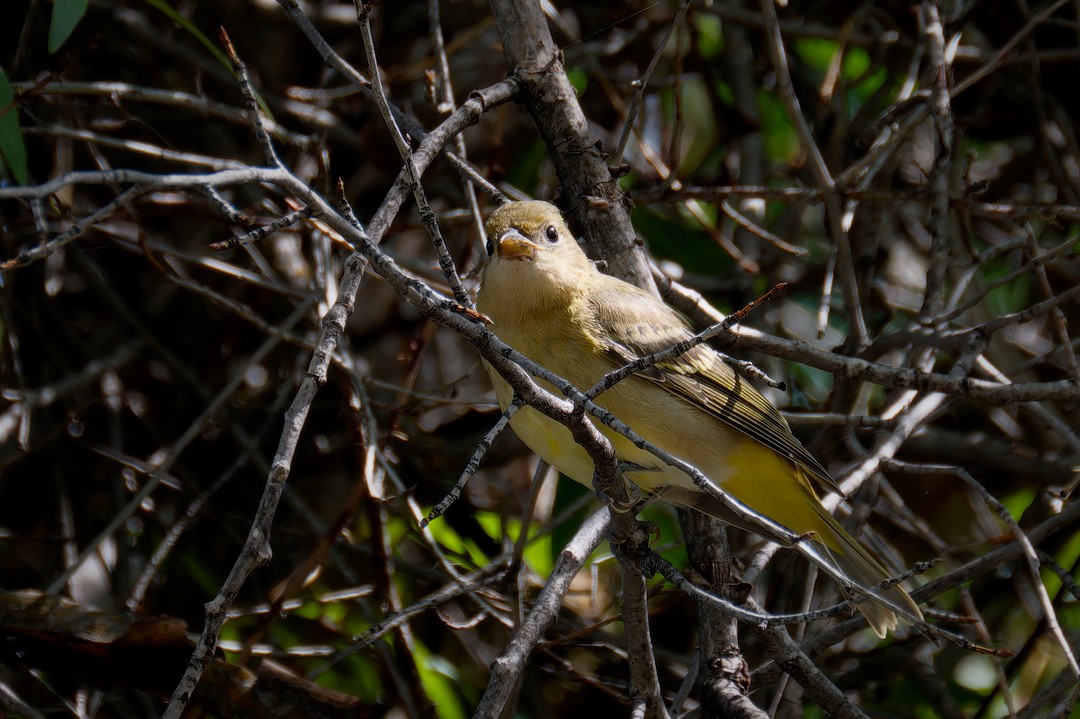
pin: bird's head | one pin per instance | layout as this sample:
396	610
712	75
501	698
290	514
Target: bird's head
535	259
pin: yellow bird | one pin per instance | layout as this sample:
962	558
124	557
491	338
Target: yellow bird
549	302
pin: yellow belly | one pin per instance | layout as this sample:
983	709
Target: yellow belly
747	470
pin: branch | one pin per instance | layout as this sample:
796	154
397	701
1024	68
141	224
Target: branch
507	668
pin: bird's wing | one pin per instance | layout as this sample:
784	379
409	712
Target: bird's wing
636	324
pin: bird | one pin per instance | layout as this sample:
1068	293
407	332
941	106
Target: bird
546	299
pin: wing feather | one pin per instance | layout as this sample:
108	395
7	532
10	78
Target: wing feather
636	324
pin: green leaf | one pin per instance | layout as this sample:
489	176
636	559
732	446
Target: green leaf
1018	502
538	551
456	544
781	141
440	679
525	172
710	34
1012	296
539	554
568	493
198	34
817	53
358	675
65	16
578	79
12	148
191	28
678	237
491	523
856	64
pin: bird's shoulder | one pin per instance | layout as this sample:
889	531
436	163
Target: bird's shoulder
636	323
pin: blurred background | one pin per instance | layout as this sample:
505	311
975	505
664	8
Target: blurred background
145	374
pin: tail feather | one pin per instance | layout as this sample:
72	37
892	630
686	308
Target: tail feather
860	567
840	555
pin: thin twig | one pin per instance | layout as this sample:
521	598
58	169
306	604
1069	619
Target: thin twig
427	215
643	82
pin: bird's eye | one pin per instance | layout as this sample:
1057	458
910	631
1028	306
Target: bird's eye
490	247
551	233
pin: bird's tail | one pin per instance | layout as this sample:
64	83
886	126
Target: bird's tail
838	554
858	566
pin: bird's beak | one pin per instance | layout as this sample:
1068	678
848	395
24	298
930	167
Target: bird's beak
515	246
